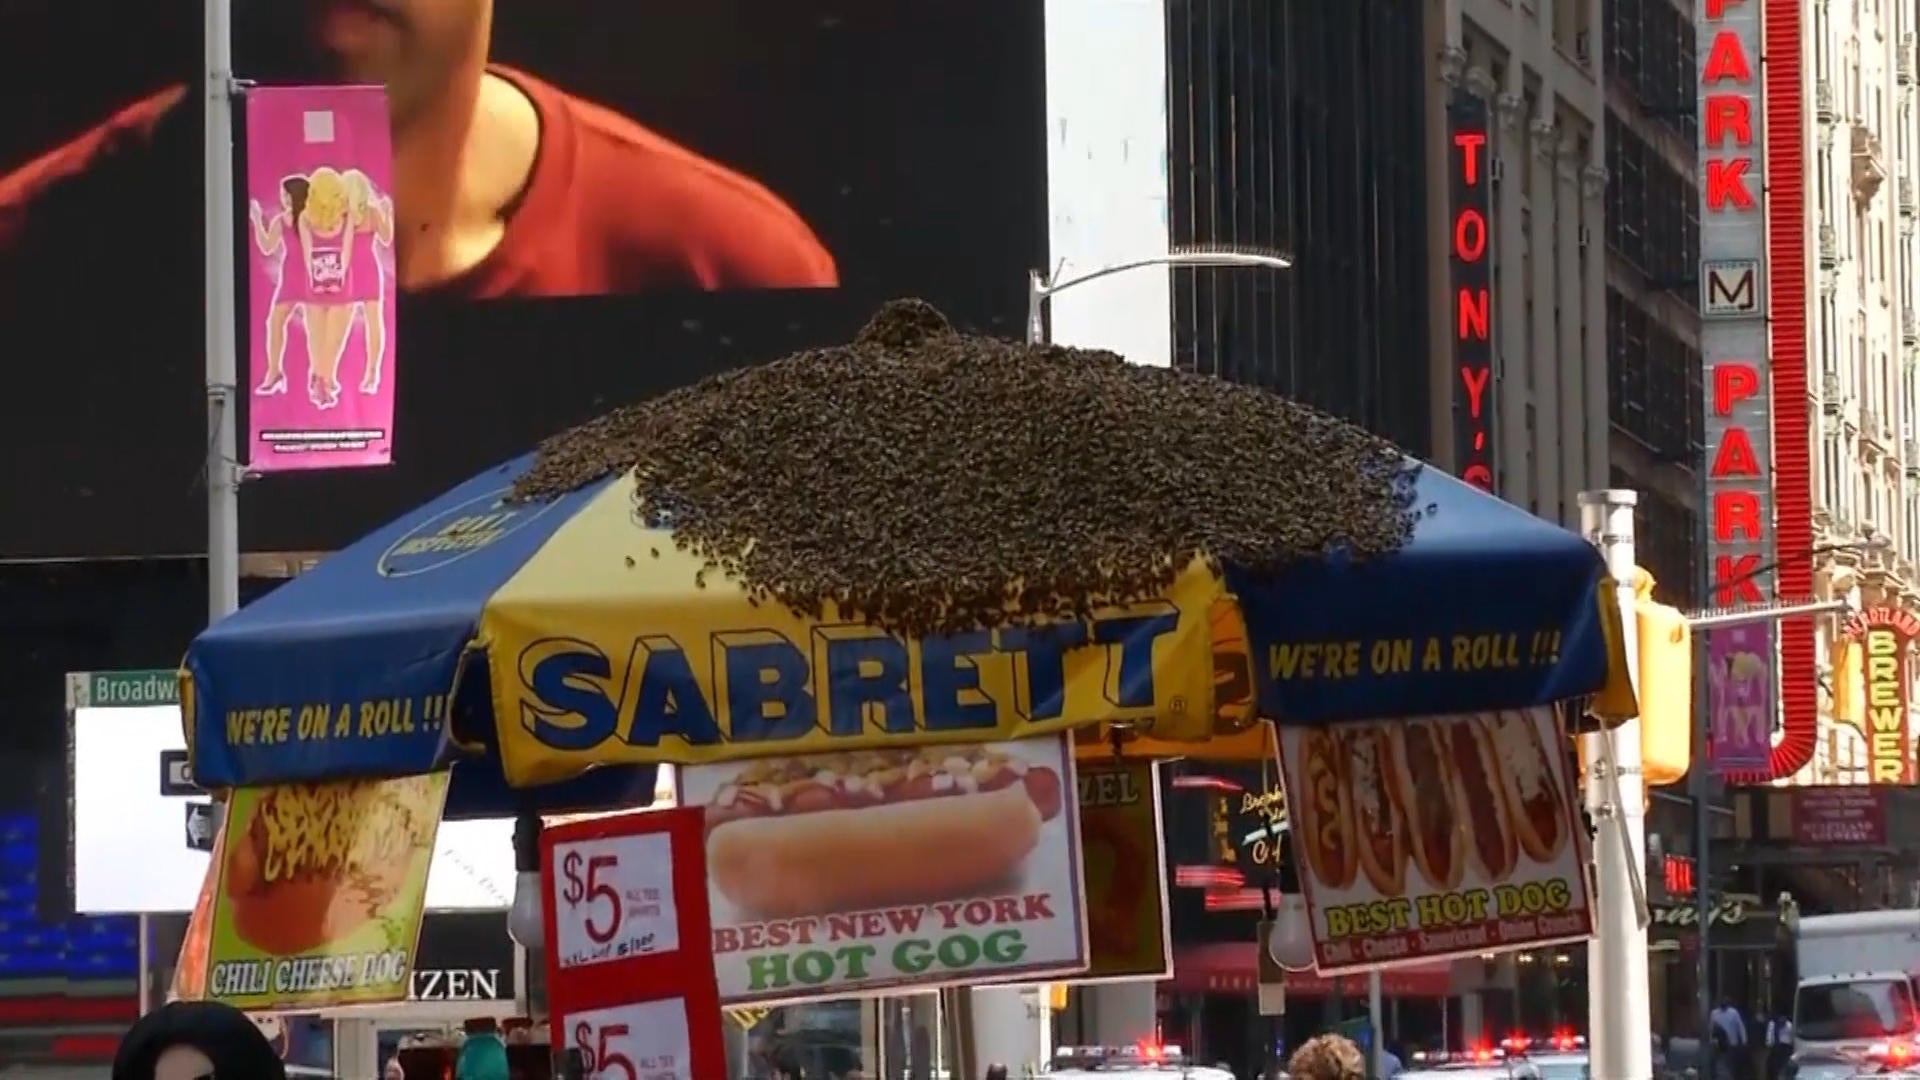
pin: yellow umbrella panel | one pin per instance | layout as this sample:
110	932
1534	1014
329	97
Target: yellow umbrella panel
611	646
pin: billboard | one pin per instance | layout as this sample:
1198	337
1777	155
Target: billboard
592	204
1884	636
1470	271
1739	420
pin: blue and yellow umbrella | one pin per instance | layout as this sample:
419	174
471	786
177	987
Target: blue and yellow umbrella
564	646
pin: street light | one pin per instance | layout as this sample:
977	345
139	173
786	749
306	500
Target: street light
1041	287
1697	782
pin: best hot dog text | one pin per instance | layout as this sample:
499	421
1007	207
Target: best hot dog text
1424	837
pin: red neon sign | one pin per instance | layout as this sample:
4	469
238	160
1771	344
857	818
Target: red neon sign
1471	276
1737	510
1676	872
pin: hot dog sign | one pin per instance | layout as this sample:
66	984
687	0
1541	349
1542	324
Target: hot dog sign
1442	836
844	873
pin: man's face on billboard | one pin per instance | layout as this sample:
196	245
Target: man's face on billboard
413	47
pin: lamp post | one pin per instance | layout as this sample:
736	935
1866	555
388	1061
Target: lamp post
1042	288
1698	780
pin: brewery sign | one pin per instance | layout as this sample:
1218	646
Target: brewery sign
1839	815
1470	275
1883	635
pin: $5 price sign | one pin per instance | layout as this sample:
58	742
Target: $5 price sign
645	1041
613	899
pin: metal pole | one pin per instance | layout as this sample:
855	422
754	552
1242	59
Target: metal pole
222	348
223	472
1376	1034
1699	789
1618	1015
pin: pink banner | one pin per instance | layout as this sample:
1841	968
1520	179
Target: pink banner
1740	701
321	285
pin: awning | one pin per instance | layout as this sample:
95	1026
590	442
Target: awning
1228	967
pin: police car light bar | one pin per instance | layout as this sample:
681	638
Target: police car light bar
1141	1052
1478	1056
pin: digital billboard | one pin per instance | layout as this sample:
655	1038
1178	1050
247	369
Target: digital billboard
590	204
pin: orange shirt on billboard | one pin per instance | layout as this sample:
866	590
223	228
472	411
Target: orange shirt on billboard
609	207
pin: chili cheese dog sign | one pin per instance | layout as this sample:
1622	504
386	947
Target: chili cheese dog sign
1443	836
846	873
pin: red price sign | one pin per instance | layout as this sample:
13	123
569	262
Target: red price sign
643	1041
613	899
623	894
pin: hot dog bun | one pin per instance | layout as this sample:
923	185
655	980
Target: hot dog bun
1483	799
1379	825
907	852
1423	781
1534	801
1323	820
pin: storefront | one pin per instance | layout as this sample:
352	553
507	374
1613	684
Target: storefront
467	968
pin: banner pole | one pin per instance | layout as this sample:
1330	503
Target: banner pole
1619	1018
222	360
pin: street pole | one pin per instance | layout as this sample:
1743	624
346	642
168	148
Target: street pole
1699	775
1376	1036
222	465
1041	288
223	455
1618	1016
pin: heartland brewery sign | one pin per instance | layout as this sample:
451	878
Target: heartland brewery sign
1884	635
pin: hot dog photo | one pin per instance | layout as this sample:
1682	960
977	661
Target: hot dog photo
834	873
321	890
1425	838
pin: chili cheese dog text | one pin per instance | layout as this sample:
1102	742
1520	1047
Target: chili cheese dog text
1379	826
318	861
1423	780
1323	822
1482	799
920	824
1533	800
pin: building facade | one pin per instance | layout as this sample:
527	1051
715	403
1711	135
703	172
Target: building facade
1652	255
1532	71
1863	145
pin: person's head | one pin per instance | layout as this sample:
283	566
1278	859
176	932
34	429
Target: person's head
187	1040
996	1071
293	195
418	49
359	193
326	209
1328	1057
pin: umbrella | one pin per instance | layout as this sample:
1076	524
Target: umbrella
563	643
